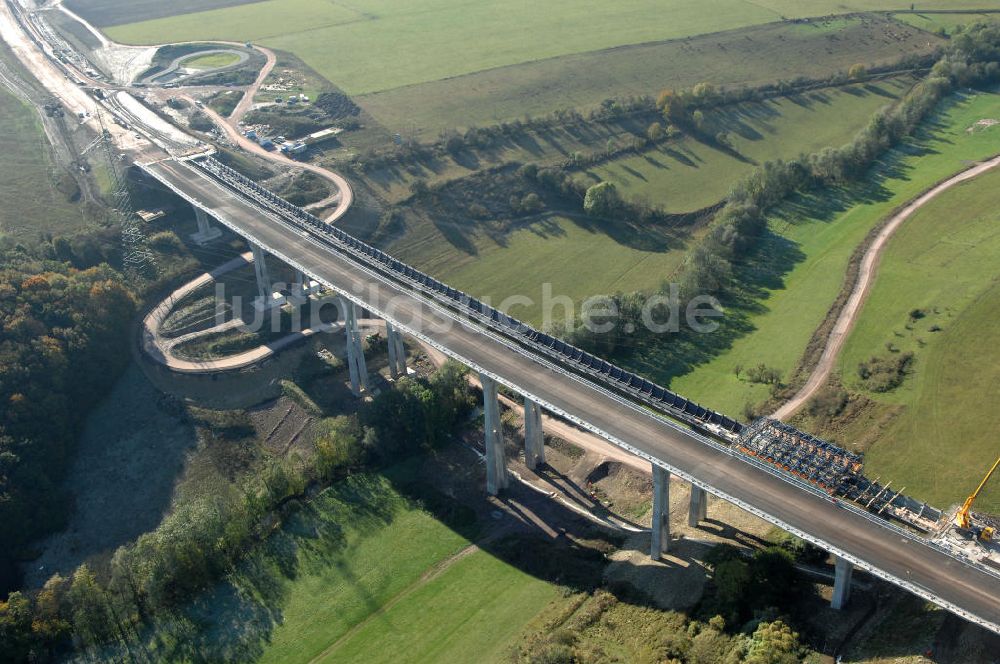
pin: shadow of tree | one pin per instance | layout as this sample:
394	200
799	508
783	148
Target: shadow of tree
662	358
234	620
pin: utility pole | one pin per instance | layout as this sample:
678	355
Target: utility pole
137	259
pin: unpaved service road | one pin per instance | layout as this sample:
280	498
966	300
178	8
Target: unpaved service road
866	276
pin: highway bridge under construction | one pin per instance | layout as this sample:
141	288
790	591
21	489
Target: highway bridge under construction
804	485
787	477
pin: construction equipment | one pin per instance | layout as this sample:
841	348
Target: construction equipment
963	518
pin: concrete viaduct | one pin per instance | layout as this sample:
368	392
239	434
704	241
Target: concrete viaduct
856	538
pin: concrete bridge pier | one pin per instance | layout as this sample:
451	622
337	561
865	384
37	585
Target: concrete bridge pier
302	288
206	233
698	508
397	352
534	439
355	350
496	463
843	571
661	513
267	298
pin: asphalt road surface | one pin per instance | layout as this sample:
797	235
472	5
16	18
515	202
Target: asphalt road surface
956	584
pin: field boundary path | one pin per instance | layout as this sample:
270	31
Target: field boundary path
862	286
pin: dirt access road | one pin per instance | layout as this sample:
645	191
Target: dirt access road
344	193
866	276
231	126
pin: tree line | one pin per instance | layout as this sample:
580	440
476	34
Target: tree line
205	538
971	58
686	104
64	317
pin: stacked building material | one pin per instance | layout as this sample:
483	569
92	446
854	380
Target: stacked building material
812	459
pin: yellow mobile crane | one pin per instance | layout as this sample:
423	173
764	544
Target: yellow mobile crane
963	519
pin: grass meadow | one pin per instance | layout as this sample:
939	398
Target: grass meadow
479	606
576	256
943	261
946	22
33	202
211	61
801	8
580	258
373	45
821	232
751	56
429	65
689	175
352	576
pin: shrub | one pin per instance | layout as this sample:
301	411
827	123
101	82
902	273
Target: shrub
828	403
763	374
884	374
601	200
531	203
199	121
165	242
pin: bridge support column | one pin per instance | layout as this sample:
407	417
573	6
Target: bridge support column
698	508
534	439
843	570
496	462
267	298
661	513
206	233
397	352
355	350
301	289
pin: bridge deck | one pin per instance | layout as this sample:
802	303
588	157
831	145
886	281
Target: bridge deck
919	568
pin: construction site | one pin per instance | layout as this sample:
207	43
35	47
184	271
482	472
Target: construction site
840	474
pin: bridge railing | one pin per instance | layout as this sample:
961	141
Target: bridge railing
661	400
656	396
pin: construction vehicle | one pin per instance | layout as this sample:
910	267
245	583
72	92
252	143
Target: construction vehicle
963	518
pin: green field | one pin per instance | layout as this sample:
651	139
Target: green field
689	175
800	8
211	61
579	260
427	65
824	237
379	44
544	147
35	192
943	261
476	608
752	56
946	22
357	568
582	260
103	13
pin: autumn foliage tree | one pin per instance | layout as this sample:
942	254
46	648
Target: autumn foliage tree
63	341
